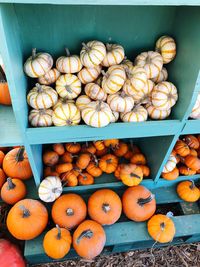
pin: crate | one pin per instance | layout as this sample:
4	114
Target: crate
50	25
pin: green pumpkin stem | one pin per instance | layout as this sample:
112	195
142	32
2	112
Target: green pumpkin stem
86	47
59	232
11	185
85	234
143	201
20	154
33	53
67	51
26	212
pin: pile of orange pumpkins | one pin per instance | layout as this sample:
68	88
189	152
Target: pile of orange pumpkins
184	159
101	85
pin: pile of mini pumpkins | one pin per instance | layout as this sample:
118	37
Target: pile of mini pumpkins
114	87
195	114
184	159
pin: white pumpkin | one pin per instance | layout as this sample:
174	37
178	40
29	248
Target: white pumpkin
162	76
113	79
166	46
92	54
87	75
49	77
126	63
157	114
68	86
170	165
97	114
195	114
62	101
69	63
115	116
114	55
120	102
66	114
82	101
151	61
50	189
40	117
38	64
95	92
42	97
137	114
143	96
164	95
136	80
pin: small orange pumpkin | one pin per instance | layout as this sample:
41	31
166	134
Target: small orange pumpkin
67	157
145	170
94	170
192	162
50	171
83	160
88	148
2	177
73	148
50	158
193	152
59	149
111	142
138	159
174	174
69	178
191	141
128	154
85	179
117	171
2	155
100	153
186	171
131	174
108	163
188	191
4	90
182	148
99	145
64	167
121	149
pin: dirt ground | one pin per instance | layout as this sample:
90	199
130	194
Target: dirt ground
177	256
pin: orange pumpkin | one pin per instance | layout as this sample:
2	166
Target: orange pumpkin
27	219
67	157
88	148
121	149
111	142
182	148
186	171
139	203
2	177
94	170
193	152
83	161
145	170
69	178
16	164
13	191
85	179
73	148
108	163
104	207
138	159
117	171
128	154
64	167
59	149
100	153
4	90
131	174
50	158
89	239
191	141
69	210
188	191
99	145
2	155
50	171
192	162
174	174
57	242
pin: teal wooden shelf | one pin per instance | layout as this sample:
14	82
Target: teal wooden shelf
191	127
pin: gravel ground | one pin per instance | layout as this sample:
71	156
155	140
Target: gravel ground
177	256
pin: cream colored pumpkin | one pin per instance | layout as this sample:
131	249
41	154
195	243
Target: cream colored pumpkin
195	114
162	76
120	102
68	86
151	61
137	114
40	117
164	95
95	92
66	114
113	79
136	80
166	46
49	77
115	116
97	114
170	165
38	64
157	114
87	75
82	101
42	97
50	189
62	101
69	63
126	63
114	55
143	96
92	54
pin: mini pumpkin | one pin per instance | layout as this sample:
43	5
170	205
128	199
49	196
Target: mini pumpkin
69	178
121	149
49	77
62	101
145	170
187	191
82	101
182	148
88	75
111	143
131	174
68	86
120	102
93	169
191	141
137	114
40	117
4	90
114	55
143	96
88	147
50	171
161	77
99	145
50	158
73	148
170	164
192	162
157	114
2	155
186	171
195	114
59	148
172	175
83	160
50	189
95	92
63	167
166	46
108	163
85	178
138	159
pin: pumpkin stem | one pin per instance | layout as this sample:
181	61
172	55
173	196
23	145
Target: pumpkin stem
56	190
39	87
106	207
26	212
59	232
67	51
86	47
2	76
87	234
162	226
98	108
69	122
108	161
134	175
95	159
143	201
11	185
68	89
33	53
128	73
69	212
123	94
109	47
192	186
20	154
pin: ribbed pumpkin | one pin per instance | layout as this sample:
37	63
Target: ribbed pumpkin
93	169
104	207
82	101
50	158
157	114
61	101
192	162
143	96
138	159
40	117
172	175
49	77
195	114
137	114
95	92
108	163
83	160
191	141
73	148
114	55
120	102
166	46
69	178
182	148
186	171
139	203
85	178
121	149
170	164
88	75
59	148
16	164
99	145
131	174
4	90
42	97
115	116
188	191
161	77
68	86
38	64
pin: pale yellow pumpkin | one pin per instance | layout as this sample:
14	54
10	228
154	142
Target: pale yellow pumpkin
50	189
144	95
62	101
49	77
195	114
137	114
157	114
82	101
166	46
115	116
170	165
120	102
95	92
126	63
40	117
161	77
68	86
87	75
114	55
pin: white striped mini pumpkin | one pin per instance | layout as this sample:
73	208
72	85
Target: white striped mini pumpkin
50	189
69	63
92	54
38	64
88	75
157	114
137	114
151	61
68	86
166	46
97	114
126	63
82	101
62	101
66	114
115	116
95	92
144	95
162	76
136	80
42	97
164	95
49	77
113	79
40	117
195	114
170	165
120	102
114	55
